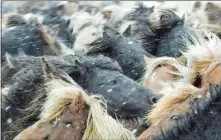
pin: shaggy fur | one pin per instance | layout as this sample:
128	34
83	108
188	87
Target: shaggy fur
14	19
167	103
200	123
99	124
114	14
204	56
30	38
100	74
181	73
26	95
86	26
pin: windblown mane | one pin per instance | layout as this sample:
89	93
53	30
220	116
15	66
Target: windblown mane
164	106
203	56
198	119
99	124
185	74
84	19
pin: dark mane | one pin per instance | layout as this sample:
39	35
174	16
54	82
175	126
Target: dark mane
139	11
193	125
26	96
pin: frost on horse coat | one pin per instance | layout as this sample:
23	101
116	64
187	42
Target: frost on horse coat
149	25
26	37
22	101
128	52
101	75
173	41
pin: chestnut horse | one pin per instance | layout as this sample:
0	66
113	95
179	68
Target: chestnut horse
164	70
196	117
170	108
69	113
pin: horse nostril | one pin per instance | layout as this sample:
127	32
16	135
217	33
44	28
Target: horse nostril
153	99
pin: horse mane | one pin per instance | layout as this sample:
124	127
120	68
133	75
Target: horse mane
139	12
14	19
185	74
164	106
155	20
84	19
99	124
203	55
189	121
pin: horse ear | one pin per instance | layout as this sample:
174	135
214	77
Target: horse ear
147	59
68	22
152	8
110	31
21	52
47	69
181	60
10	60
127	32
106	37
183	18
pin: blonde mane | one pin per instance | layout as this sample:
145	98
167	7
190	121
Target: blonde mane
166	104
185	74
204	55
99	124
82	18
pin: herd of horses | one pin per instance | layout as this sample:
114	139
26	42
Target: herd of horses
143	72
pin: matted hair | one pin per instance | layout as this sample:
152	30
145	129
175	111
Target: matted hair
163	107
99	124
204	55
84	19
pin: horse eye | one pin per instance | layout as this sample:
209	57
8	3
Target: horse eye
93	34
175	117
195	100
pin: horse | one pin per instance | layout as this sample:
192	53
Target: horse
70	113
173	41
171	107
87	26
204	58
198	121
102	75
23	95
164	70
28	36
114	14
149	25
54	18
209	20
127	51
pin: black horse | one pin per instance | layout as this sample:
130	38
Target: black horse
23	96
127	51
100	75
26	37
